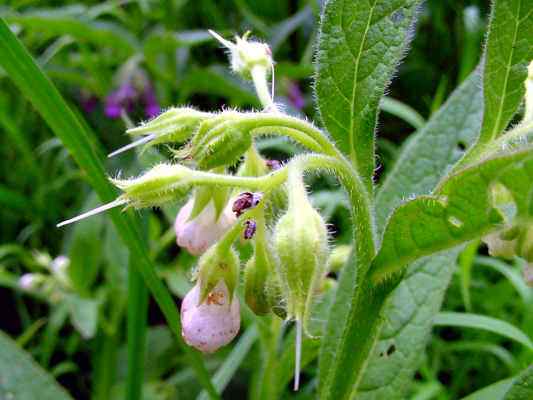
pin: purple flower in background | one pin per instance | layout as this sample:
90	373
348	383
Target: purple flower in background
123	98
295	96
134	91
151	105
88	101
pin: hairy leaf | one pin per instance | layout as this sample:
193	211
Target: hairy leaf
410	308
459	211
360	44
509	50
432	152
22	378
522	387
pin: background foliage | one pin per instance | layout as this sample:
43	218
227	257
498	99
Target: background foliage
79	338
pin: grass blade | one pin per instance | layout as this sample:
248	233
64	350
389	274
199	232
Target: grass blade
233	361
476	321
28	77
137	314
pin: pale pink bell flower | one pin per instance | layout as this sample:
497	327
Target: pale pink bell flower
213	323
198	234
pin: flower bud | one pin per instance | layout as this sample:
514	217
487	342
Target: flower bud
256	290
213	322
59	268
30	281
301	242
245	54
217	264
177	125
163	183
224	148
202	231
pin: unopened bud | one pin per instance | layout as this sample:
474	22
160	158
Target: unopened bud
301	242
245	54
30	281
163	183
210	323
175	125
224	148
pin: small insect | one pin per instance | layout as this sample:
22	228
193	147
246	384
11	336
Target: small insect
273	164
249	230
245	201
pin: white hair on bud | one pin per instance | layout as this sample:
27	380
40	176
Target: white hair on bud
115	203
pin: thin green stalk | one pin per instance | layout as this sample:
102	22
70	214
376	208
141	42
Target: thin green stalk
104	366
137	315
29	78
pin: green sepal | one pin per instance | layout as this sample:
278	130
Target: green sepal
225	149
255	286
215	265
161	184
175	125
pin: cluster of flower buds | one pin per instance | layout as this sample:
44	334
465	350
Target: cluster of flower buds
52	284
289	262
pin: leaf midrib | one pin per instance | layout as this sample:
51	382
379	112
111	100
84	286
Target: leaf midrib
353	156
496	129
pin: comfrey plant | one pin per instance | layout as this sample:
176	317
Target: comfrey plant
468	176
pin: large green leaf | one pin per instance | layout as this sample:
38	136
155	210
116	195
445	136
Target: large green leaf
410	308
459	211
522	387
509	50
515	388
22	378
360	44
432	152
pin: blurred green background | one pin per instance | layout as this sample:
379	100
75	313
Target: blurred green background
118	62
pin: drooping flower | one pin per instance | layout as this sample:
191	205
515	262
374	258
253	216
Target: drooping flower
210	324
199	233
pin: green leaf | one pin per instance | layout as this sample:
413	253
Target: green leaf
101	33
402	111
29	78
410	308
360	44
509	50
515	388
22	378
83	314
408	317
496	391
467	320
430	153
460	210
522	387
